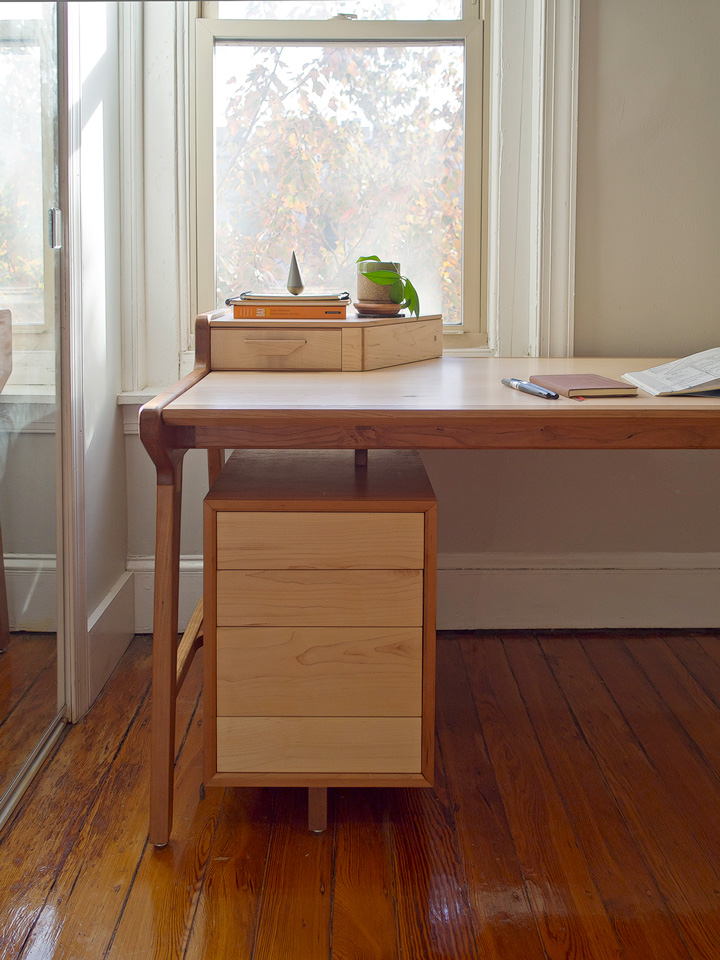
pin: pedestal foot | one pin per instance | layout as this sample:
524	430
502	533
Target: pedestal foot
317	809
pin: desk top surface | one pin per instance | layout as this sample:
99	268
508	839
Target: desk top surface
455	387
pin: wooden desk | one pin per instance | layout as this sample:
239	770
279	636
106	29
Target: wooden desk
448	403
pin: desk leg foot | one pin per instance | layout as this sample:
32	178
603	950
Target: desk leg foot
317	809
165	640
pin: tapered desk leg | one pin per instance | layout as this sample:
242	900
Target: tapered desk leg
317	809
165	640
216	461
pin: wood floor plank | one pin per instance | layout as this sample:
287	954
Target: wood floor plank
694	709
28	698
80	916
710	643
158	912
678	863
363	918
294	918
571	915
23	658
505	925
27	723
225	921
37	839
703	668
433	912
686	776
634	903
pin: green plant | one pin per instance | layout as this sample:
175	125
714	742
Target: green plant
401	290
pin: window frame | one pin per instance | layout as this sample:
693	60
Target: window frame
471	332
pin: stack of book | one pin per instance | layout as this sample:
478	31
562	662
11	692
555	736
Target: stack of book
281	305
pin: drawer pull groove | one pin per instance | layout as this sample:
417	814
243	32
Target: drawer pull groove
275	348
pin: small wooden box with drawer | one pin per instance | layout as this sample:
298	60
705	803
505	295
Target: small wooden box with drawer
352	345
320	620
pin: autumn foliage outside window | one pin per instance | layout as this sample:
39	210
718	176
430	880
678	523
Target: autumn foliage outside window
336	151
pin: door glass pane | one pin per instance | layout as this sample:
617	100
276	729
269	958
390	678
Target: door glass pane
337	152
30	695
325	9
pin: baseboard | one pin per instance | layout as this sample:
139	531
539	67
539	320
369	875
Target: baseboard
524	591
32	605
110	629
191	587
31	581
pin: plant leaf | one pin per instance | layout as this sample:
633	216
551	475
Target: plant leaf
411	298
383	277
361	259
397	292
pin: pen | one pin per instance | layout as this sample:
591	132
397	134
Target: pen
524	386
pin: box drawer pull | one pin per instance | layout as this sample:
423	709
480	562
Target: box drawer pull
274	348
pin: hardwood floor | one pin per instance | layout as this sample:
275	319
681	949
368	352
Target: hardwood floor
575	815
28	697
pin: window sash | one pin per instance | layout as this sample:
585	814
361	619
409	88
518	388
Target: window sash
471	331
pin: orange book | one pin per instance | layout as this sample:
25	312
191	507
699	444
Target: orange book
289	311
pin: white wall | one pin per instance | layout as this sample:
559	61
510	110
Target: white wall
648	243
28	468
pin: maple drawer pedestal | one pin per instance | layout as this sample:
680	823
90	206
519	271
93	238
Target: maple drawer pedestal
319	608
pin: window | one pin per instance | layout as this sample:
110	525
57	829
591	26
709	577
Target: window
518	169
28	187
344	129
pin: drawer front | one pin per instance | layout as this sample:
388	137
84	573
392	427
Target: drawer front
319	671
293	541
248	348
316	598
319	744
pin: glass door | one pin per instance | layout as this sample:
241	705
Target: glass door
32	696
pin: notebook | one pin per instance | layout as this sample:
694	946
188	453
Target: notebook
584	385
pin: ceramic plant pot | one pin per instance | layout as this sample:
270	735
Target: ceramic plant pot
370	292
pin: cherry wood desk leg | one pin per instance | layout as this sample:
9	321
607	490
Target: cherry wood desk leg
165	640
216	461
317	809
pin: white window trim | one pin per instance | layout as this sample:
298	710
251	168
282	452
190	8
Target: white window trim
531	156
155	210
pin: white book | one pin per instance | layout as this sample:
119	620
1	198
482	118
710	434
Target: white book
693	375
278	295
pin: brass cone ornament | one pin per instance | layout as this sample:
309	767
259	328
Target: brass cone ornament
294	283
